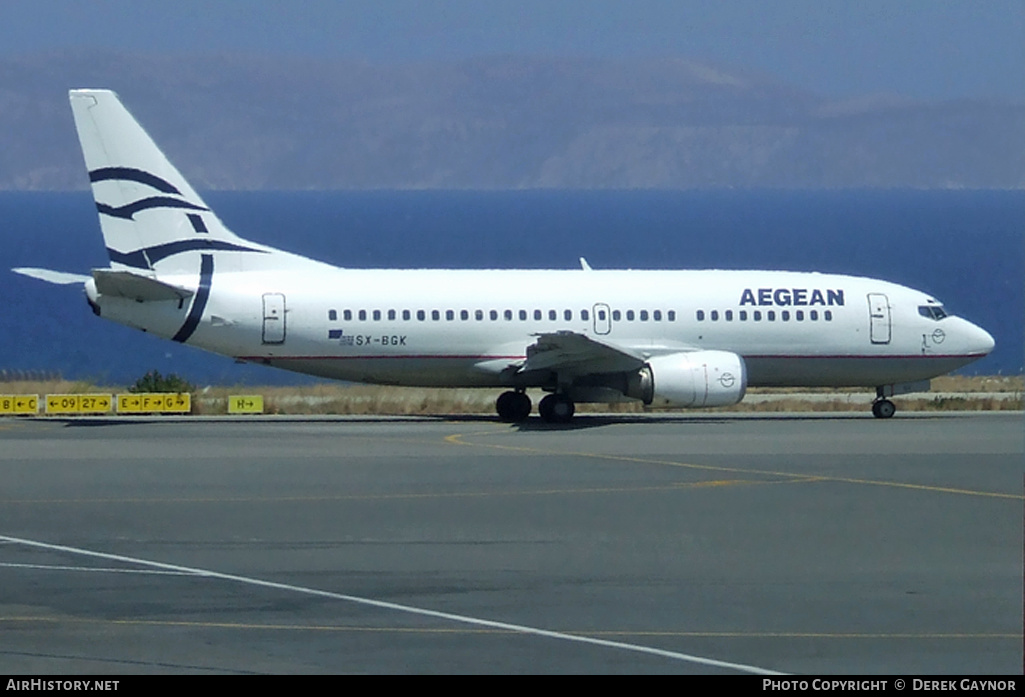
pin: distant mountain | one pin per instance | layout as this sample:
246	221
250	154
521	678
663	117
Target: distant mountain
507	122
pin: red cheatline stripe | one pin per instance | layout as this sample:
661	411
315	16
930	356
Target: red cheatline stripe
912	356
916	357
402	357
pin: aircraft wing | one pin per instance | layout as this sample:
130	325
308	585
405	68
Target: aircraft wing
570	352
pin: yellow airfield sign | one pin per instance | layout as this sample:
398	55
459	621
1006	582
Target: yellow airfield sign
130	403
154	403
79	403
245	404
19	404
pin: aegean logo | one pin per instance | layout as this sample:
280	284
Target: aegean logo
799	297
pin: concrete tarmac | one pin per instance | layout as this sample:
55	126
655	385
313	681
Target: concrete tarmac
816	544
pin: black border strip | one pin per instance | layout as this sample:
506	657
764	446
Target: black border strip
206	273
129	210
142	258
134	175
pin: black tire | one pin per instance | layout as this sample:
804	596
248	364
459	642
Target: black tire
556	409
883	409
513	407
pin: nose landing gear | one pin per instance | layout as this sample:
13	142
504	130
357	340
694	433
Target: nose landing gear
882	408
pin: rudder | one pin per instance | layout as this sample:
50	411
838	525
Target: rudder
150	216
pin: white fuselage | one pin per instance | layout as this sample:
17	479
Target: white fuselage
465	328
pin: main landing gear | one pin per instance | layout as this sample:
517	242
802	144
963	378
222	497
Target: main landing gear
514	407
556	408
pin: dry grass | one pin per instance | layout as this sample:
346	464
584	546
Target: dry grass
922	402
41	387
960	393
355	399
979	383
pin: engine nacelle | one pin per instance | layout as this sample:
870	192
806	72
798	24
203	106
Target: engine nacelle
691	379
92	296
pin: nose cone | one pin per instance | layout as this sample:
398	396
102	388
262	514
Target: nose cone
980	341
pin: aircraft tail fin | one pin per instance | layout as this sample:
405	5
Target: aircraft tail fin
151	218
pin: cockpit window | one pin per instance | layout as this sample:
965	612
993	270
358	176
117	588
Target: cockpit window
932	311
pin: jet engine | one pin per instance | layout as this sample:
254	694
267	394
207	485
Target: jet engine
92	296
690	379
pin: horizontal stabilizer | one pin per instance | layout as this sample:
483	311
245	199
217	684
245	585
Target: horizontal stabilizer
62	278
133	286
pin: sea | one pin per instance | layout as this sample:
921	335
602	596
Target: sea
966	248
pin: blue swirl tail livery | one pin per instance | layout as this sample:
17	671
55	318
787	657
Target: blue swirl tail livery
663	338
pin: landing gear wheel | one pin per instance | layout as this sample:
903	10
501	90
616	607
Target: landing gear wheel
556	409
513	407
883	409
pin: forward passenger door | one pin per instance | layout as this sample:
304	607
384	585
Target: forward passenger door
879	318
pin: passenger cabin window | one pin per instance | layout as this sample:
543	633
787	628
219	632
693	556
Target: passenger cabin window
332	315
553	315
701	315
362	315
347	314
377	315
405	315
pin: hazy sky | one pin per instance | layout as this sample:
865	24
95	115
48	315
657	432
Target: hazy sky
920	48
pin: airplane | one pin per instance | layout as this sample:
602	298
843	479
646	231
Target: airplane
685	339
